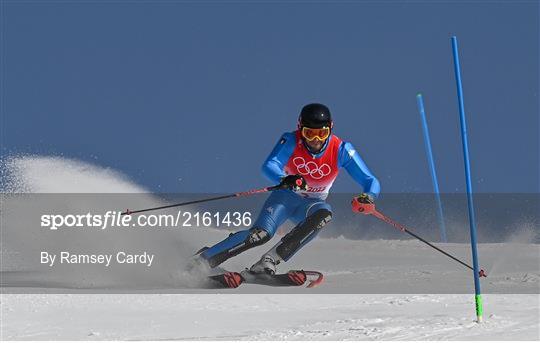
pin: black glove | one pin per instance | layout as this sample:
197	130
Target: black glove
294	183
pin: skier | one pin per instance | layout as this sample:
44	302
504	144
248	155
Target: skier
305	163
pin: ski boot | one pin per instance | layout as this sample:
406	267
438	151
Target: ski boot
266	265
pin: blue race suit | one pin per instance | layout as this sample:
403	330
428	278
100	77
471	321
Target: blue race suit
291	156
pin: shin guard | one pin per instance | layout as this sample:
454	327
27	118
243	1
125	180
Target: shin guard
302	234
235	244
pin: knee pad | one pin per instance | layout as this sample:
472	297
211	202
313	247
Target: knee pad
303	233
320	218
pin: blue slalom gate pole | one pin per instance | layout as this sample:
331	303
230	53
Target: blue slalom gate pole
427	143
472	220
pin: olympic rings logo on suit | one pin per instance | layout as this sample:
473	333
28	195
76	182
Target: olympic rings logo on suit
311	168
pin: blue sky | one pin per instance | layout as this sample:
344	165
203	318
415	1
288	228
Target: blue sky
191	97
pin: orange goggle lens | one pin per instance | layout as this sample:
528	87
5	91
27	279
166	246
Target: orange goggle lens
311	134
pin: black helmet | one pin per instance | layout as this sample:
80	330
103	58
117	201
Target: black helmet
315	116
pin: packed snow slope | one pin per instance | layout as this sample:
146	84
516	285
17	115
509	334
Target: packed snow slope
376	289
267	317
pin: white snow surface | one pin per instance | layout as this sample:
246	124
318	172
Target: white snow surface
357	301
266	317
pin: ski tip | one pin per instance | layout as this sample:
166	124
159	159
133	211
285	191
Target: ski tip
314	283
297	277
228	279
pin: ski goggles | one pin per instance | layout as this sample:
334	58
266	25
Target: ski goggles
310	133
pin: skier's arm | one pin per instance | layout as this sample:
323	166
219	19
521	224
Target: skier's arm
274	165
355	166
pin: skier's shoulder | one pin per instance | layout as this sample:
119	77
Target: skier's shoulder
338	141
284	147
346	152
288	137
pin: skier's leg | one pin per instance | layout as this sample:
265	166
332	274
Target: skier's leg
316	215
272	215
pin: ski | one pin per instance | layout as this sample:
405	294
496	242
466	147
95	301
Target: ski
291	278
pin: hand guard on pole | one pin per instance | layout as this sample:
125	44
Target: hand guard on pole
364	203
294	182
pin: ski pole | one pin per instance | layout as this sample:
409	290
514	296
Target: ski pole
404	229
234	195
